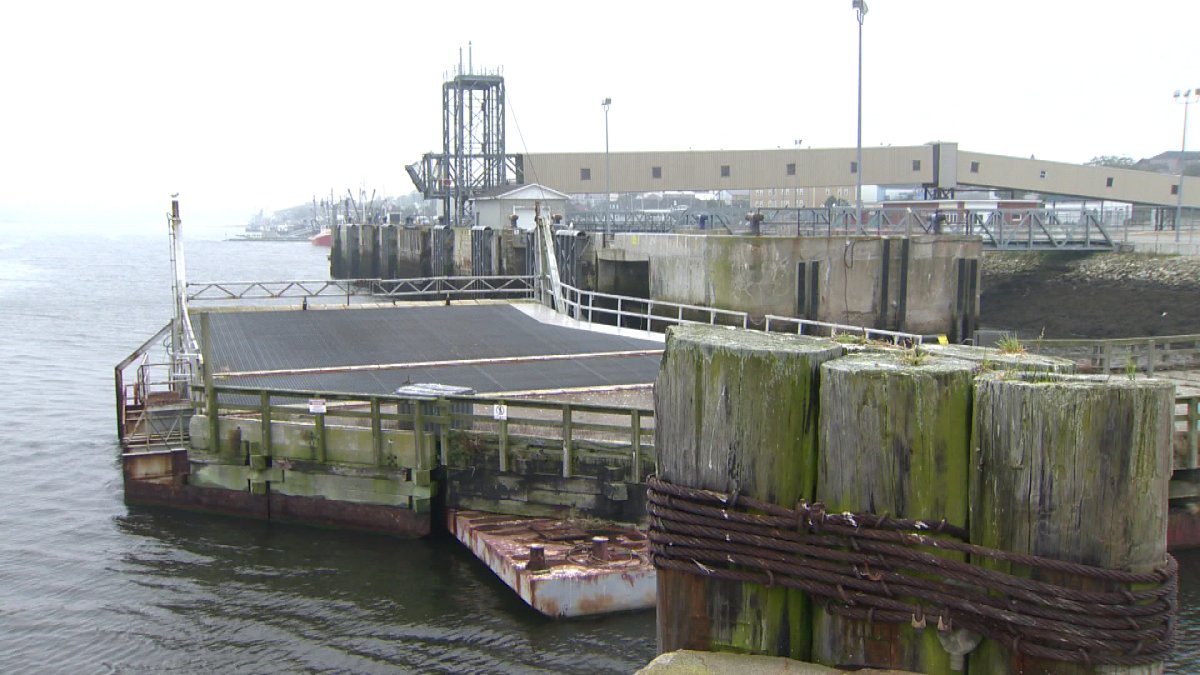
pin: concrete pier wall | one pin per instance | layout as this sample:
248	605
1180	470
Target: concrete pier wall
917	284
896	283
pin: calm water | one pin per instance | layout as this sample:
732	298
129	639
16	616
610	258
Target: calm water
90	585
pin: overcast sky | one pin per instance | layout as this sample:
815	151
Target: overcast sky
106	108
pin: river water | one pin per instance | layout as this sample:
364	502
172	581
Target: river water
88	584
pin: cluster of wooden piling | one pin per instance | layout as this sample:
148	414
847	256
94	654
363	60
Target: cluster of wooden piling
1027	456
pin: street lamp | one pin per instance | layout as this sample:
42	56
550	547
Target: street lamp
1186	97
607	172
860	7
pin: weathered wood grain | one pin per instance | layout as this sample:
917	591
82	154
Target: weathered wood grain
737	410
894	438
1071	467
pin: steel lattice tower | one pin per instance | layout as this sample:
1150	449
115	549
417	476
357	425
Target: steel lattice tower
473	155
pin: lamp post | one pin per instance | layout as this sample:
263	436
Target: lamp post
1186	97
607	173
860	7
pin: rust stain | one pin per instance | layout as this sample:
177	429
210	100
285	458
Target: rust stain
575	581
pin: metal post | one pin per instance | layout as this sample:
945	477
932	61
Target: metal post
567	450
607	173
860	7
1186	97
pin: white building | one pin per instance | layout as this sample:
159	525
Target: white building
496	207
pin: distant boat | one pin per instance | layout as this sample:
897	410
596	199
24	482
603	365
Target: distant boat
323	238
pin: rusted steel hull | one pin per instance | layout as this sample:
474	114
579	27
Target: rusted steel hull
1183	529
160	479
575	582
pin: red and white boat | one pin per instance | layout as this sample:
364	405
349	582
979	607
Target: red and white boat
322	238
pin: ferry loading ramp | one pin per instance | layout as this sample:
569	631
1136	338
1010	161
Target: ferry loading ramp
494	348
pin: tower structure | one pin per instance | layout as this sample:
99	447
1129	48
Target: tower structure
473	157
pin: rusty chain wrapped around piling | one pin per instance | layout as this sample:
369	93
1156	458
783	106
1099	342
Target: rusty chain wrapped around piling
875	568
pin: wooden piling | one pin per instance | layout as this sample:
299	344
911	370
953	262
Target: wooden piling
1074	468
894	438
737	411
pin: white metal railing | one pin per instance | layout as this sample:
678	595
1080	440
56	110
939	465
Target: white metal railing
581	305
826	329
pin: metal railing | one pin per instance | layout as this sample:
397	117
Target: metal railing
152	394
427	288
569	432
1190	419
643	313
787	324
1145	354
1006	229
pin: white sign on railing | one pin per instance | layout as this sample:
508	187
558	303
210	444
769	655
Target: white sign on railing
499	411
316	406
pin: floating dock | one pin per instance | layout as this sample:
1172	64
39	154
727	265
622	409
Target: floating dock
562	568
509	421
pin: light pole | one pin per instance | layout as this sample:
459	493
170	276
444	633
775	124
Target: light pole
860	6
607	173
1186	97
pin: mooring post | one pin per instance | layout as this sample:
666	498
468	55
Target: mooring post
736	411
894	437
1074	468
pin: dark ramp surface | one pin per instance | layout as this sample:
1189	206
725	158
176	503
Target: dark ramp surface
298	340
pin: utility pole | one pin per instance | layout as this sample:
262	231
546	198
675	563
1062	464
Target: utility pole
1186	97
860	6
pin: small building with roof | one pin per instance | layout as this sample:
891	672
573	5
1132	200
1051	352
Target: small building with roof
495	207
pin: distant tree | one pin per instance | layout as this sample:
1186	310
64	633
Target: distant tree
832	201
1192	170
1121	162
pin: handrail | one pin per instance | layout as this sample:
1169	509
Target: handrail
212	291
574	299
834	329
1141	354
1191	419
142	383
564	422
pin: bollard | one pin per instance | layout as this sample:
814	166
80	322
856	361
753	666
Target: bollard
537	558
600	548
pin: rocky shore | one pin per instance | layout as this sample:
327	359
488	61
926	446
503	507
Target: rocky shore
1097	295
